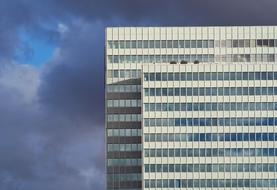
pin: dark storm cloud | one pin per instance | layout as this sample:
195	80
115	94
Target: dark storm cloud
35	15
73	84
42	150
176	12
52	118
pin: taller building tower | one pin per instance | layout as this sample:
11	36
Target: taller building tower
191	107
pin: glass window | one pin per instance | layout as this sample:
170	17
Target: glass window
252	43
170	76
169	44
240	43
165	183
226	76
193	43
163	45
259	43
139	45
246	43
121	44
228	43
219	76
128	44
271	58
205	44
146	91
133	44
201	76
195	76
265	42
152	91
170	92
187	58
187	43
214	91
158	58
176	76
151	43
164	91
263	75
189	92
181	43
175	43
235	43
152	76
164	76
199	43
183	76
211	43
152	183
158	76
157	44
189	76
207	75
145	44
271	43
140	58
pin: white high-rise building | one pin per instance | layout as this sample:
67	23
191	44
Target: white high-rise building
191	107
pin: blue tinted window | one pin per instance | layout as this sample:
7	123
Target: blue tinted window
164	91
189	91
263	75
152	91
227	137
226	76
253	138
164	76
189	76
208	137
233	137
245	75
158	92
195	91
195	76
170	76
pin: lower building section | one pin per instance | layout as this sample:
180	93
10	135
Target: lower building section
124	185
123	136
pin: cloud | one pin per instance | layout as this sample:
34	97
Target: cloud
73	82
51	135
43	18
175	12
19	79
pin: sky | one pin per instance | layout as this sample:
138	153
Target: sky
52	80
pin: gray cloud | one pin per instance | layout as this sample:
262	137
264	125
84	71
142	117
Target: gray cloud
51	118
74	81
36	16
176	12
52	137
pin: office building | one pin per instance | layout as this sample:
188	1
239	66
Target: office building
191	107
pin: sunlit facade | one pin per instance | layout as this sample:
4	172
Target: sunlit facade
191	107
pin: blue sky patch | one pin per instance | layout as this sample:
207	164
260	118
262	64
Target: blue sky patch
33	50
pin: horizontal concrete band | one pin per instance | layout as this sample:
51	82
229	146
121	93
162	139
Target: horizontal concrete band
125	110
122	155
123	169
124	184
124	125
123	95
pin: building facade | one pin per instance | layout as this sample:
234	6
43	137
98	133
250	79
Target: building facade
191	107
